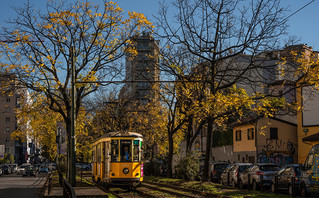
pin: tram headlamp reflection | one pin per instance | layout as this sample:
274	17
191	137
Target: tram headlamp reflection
126	170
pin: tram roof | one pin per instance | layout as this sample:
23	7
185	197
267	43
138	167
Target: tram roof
121	134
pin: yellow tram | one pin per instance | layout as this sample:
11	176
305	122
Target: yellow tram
117	159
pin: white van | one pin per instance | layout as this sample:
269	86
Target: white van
310	173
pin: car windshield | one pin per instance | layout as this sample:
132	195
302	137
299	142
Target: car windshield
220	166
270	168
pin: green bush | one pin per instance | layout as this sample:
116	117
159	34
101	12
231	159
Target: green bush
8	159
188	168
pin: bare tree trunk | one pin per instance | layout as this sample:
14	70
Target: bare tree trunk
205	175
189	135
170	155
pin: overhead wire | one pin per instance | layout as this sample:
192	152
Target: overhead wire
298	10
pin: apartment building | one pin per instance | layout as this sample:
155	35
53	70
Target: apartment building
142	71
11	97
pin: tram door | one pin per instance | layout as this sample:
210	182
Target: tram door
102	159
107	158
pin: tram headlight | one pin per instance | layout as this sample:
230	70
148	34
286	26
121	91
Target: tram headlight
136	175
126	170
113	174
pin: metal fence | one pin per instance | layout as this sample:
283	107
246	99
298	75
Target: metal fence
68	190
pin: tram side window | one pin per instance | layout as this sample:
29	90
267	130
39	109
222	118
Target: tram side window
93	154
98	152
136	150
115	151
126	150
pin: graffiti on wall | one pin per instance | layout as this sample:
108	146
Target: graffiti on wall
279	158
277	151
279	145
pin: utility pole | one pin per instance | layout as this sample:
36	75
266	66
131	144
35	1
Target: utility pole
72	171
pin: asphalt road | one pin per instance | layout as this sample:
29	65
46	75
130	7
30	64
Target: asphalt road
13	185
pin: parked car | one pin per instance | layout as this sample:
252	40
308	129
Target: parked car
261	175
309	183
83	166
6	169
43	170
284	178
29	171
236	171
225	175
1	172
14	167
216	169
20	169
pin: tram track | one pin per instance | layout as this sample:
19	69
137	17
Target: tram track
37	182
154	191
121	192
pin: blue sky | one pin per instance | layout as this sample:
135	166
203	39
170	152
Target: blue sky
303	24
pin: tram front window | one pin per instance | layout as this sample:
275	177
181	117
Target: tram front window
115	151
126	150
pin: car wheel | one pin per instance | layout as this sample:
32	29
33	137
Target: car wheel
290	190
233	184
255	187
221	181
303	191
273	188
241	184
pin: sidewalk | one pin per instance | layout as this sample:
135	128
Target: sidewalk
79	191
85	188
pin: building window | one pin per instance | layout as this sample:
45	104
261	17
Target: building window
7	110
8	99
17	101
250	134
238	135
7	130
274	133
7	119
251	159
7	139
